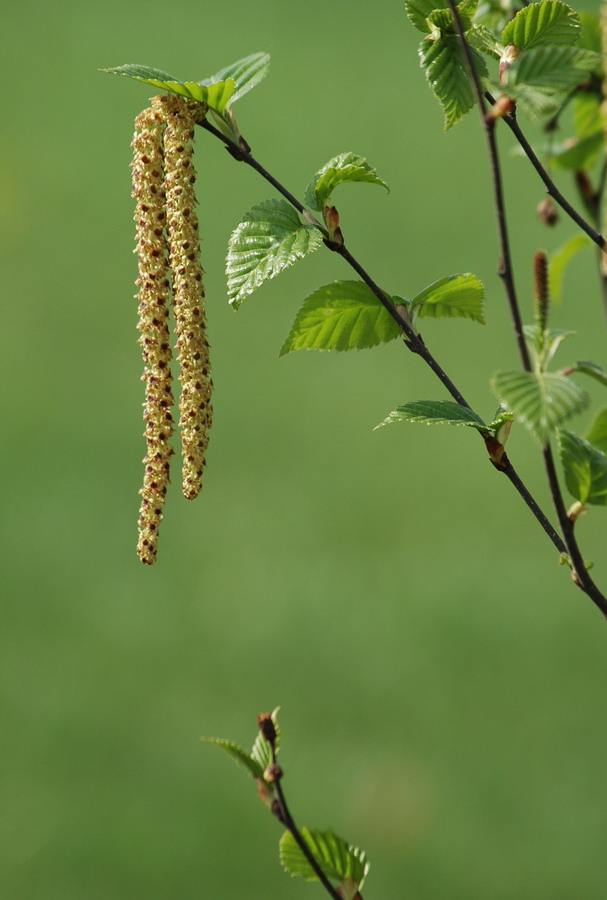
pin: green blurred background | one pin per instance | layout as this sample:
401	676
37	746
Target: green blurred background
442	683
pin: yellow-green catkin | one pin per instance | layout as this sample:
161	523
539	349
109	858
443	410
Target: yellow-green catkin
153	296
188	291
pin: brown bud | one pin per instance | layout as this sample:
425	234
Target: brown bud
267	727
547	212
272	773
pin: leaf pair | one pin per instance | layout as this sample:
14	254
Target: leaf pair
228	85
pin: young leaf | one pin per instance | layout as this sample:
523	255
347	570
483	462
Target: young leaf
559	261
539	401
547	22
435	412
345	315
484	40
579	154
261	752
549	69
443	62
418	11
338	860
270	238
241	757
215	95
246	73
587	118
544	342
459	296
590	368
597	434
585	469
339	170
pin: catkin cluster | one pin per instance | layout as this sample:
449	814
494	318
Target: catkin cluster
168	250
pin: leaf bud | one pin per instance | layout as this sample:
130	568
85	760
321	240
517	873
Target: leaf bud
267	728
575	510
547	212
331	217
272	773
510	53
502	106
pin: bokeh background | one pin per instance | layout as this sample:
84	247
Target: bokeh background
442	684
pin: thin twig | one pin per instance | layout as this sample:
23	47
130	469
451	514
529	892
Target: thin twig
505	263
412	340
284	815
551	188
581	576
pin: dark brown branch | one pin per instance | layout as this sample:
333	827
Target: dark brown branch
551	188
412	339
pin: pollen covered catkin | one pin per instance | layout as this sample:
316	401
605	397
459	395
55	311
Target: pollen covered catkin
154	291
188	291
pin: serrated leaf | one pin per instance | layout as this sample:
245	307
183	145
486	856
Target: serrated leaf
246	73
344	315
445	69
549	69
215	95
238	754
585	469
547	22
339	170
456	296
420	10
597	433
270	238
338	860
261	751
484	40
560	259
435	412
579	154
590	368
540	401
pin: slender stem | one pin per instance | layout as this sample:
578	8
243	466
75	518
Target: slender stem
415	343
287	819
580	573
551	188
581	576
505	263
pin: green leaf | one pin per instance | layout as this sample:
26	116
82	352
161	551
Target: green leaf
241	757
549	69
547	22
435	412
539	401
587	118
338	860
445	69
559	261
456	296
339	170
597	434
214	95
420	10
484	40
590	38
270	238
345	315
262	752
590	368
580	154
585	469
246	73
545	342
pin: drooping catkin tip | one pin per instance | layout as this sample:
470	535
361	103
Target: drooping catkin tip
188	292
152	298
541	291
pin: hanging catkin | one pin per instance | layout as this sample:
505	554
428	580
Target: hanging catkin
153	295
188	291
